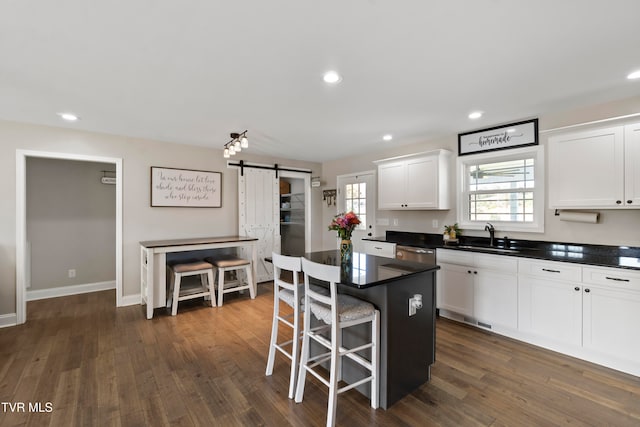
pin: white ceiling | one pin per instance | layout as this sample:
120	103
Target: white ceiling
193	71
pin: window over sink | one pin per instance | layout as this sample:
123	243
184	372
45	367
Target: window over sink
504	188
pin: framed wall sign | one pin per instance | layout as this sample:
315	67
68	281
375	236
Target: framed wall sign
185	188
513	135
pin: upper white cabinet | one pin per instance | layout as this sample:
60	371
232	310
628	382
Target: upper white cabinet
595	168
419	181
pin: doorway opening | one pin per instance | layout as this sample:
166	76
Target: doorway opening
22	253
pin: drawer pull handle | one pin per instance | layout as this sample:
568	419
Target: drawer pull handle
550	271
616	279
377	247
576	288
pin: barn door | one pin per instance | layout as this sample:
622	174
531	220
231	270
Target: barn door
259	215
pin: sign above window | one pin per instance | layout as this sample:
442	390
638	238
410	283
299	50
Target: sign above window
503	137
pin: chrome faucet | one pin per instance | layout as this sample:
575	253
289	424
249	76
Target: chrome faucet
492	232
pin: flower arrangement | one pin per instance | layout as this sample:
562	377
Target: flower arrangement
344	224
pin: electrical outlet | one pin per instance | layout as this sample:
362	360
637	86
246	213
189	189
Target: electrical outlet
395	221
434	223
72	273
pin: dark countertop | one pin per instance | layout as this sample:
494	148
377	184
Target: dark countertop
369	270
580	253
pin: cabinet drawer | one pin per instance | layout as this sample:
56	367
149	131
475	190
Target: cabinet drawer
502	263
453	256
612	277
383	249
550	270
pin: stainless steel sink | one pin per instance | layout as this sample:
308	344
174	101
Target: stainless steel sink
490	249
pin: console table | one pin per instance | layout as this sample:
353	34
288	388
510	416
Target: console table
153	262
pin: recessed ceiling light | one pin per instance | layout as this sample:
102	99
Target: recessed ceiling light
68	117
475	115
634	75
332	77
387	137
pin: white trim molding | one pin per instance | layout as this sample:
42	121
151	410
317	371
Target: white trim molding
130	300
63	291
7	320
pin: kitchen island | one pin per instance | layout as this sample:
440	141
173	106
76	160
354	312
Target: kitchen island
407	343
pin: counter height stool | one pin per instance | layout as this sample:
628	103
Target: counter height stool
233	263
336	311
289	293
201	268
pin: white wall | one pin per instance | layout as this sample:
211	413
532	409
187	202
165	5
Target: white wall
615	227
71	222
140	221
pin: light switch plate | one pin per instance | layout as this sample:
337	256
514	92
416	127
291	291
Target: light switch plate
395	221
434	223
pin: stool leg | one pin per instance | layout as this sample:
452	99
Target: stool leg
295	350
375	358
304	354
211	286
252	289
274	330
333	378
176	294
220	285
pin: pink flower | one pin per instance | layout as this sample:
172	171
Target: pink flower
344	224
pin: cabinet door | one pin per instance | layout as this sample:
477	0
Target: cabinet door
422	183
391	185
550	309
586	169
454	288
632	165
495	298
611	322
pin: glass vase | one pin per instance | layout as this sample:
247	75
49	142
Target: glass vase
346	251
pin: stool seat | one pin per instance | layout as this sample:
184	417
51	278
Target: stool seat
349	309
192	266
230	261
196	268
225	263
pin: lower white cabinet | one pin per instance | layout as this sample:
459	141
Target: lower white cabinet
611	313
550	308
481	286
585	311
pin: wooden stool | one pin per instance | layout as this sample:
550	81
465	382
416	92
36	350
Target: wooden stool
201	268
337	311
233	263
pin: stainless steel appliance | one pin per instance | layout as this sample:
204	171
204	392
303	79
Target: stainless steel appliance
410	253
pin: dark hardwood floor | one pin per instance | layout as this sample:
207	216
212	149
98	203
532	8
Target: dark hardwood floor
98	365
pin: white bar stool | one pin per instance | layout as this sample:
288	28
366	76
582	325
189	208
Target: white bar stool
233	263
290	294
337	311
201	268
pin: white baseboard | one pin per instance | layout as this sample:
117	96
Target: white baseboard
130	300
7	320
62	291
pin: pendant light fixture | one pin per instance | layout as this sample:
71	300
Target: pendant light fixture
237	143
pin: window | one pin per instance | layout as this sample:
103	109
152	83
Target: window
355	199
506	189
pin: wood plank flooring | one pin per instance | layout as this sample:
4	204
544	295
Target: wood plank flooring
102	366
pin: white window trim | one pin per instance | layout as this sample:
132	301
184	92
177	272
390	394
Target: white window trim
537	226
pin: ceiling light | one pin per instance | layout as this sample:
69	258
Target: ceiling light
237	143
332	77
475	115
68	117
634	75
387	137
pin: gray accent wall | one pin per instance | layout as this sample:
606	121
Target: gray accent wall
71	222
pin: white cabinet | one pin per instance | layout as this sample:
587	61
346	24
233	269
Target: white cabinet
480	286
611	310
550	300
419	181
595	168
383	249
